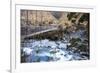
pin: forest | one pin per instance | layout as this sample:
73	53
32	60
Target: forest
54	36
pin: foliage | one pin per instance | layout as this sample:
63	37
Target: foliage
85	17
71	15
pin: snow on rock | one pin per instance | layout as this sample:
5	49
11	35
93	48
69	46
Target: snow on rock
52	44
44	43
69	57
60	52
50	51
27	51
61	55
47	43
68	44
44	54
77	34
35	43
62	45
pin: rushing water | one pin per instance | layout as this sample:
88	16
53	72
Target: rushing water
45	50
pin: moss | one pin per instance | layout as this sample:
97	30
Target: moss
74	44
53	52
23	57
85	17
85	41
82	48
71	15
38	60
74	40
